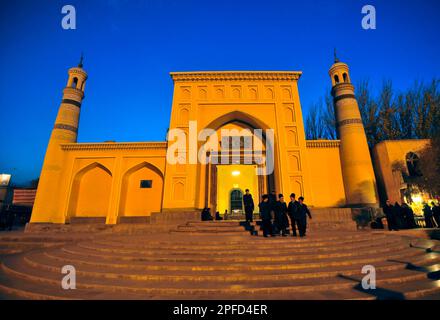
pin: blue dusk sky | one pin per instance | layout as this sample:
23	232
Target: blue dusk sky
130	46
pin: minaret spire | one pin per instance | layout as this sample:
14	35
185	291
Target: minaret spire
336	57
80	64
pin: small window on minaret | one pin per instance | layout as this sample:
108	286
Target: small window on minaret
336	79
74	83
344	75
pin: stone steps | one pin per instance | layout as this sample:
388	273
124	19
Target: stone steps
214	227
283	255
251	257
206	289
228	250
220	266
102	263
213	266
210	244
105	271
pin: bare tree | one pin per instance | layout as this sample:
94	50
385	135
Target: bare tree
315	125
369	112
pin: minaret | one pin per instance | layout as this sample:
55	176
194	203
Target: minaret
46	206
357	168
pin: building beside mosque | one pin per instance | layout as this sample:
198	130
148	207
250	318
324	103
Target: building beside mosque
115	181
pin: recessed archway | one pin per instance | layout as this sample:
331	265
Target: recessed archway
141	192
217	183
90	192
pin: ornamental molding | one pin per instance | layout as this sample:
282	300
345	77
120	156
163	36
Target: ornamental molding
349	121
76	70
236	76
342	86
114	146
323	143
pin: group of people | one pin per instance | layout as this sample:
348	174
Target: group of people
276	213
402	216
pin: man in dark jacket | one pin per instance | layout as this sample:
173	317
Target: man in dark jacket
266	216
398	216
303	213
281	221
408	214
436	213
292	211
389	214
248	204
206	214
427	213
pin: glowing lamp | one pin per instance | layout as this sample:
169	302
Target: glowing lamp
417	198
4	179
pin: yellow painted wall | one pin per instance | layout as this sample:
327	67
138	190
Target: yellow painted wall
91	194
385	155
136	201
325	173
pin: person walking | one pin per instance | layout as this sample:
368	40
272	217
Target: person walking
281	221
303	213
436	213
292	211
389	214
248	204
408	214
398	216
266	217
427	213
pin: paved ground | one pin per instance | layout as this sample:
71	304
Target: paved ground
218	261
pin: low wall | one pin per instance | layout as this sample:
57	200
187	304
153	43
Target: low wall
332	219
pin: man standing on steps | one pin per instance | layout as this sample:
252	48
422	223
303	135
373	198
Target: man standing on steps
248	203
265	213
272	204
281	221
293	213
436	213
389	214
303	213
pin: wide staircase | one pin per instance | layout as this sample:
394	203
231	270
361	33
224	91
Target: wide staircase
227	227
219	264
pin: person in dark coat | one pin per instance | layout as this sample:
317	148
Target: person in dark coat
206	215
272	204
408	214
389	214
303	211
266	216
292	211
281	221
272	201
248	204
427	213
436	213
398	216
218	216
10	219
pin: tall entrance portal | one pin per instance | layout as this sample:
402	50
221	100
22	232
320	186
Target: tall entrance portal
232	181
244	100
